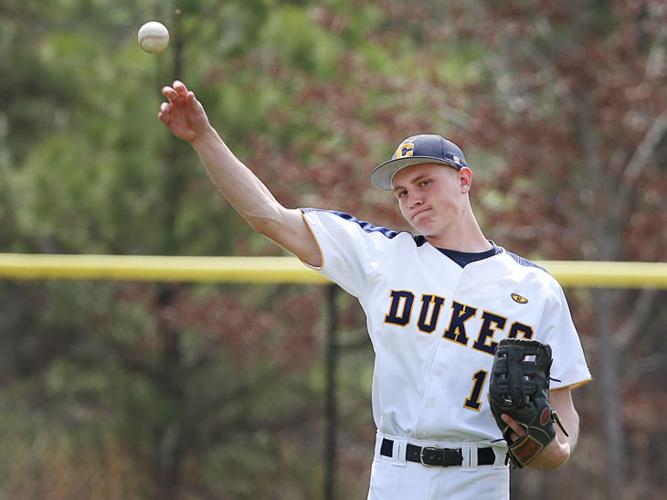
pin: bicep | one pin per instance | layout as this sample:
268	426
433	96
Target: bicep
291	232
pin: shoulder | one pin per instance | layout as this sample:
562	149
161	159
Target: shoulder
531	272
343	219
522	261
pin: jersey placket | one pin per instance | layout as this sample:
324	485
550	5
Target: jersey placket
437	371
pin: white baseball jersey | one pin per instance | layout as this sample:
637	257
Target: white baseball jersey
434	324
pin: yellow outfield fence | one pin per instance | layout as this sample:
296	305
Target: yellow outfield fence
158	268
281	270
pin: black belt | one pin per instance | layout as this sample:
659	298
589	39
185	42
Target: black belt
444	457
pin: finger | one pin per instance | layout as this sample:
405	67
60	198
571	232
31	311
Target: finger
164	115
191	99
513	424
169	93
508	420
180	88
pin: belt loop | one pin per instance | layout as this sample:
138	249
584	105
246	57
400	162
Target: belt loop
400	450
469	452
379	437
379	441
500	454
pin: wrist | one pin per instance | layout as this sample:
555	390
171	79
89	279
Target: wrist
553	456
205	136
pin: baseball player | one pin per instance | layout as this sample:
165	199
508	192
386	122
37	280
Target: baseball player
437	303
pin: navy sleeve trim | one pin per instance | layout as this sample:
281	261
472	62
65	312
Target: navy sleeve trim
525	262
366	226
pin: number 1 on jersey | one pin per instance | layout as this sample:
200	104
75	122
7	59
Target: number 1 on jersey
473	402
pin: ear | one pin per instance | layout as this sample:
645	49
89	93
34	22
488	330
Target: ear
465	179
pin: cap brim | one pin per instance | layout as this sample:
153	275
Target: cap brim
382	175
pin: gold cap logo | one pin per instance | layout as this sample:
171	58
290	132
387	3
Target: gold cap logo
519	299
404	150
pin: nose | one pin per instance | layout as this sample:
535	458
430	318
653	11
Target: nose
414	201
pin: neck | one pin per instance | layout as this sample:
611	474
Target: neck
464	235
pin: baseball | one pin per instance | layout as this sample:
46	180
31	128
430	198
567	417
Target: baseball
153	37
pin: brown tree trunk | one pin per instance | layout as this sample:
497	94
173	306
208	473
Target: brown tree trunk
170	447
604	228
609	393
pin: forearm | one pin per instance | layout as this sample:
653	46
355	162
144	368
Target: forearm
236	182
560	449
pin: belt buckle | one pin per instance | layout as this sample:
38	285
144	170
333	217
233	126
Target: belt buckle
432	457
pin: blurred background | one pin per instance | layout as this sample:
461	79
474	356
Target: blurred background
218	391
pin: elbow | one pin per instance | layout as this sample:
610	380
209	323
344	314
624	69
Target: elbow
549	464
558	463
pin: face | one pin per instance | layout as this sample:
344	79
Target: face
432	196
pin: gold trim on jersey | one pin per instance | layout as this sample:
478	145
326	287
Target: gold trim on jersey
431	323
525	334
458	336
317	242
575	385
478	379
486	332
400	320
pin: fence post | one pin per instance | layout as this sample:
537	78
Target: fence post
330	401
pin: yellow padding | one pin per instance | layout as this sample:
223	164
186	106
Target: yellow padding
282	270
158	268
608	274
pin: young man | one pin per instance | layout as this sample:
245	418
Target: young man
436	305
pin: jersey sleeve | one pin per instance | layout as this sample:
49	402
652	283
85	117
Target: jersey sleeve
350	250
569	365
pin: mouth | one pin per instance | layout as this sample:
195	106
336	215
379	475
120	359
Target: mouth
419	212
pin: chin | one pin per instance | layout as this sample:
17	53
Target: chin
425	229
424	225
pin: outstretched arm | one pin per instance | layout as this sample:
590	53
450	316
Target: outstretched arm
184	115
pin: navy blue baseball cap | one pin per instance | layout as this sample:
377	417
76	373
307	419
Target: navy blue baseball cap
415	150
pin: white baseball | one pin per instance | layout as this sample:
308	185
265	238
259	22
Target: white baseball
153	37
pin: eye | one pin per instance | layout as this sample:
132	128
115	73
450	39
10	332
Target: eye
401	193
424	183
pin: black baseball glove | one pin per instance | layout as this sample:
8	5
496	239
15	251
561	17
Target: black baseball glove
519	387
